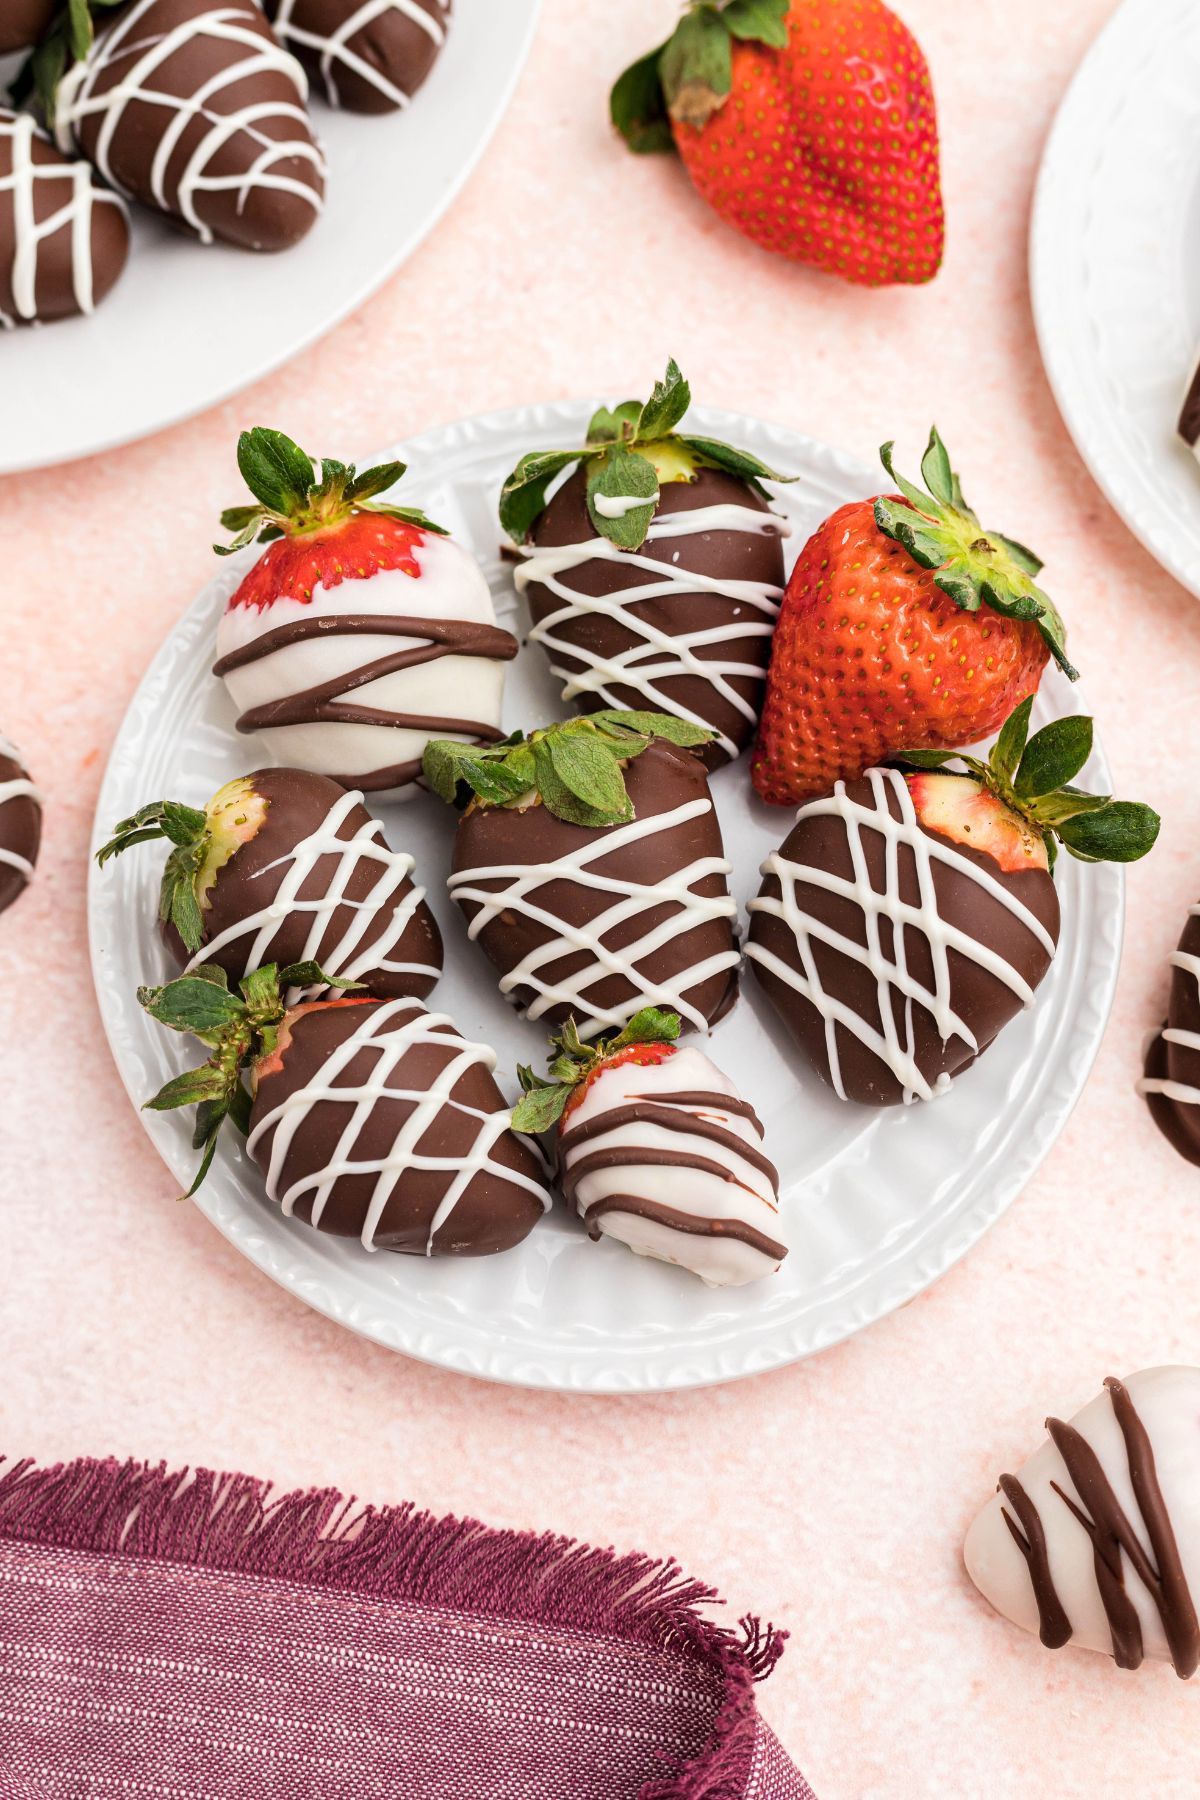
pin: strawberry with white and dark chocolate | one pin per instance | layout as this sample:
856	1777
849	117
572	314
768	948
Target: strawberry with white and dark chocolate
284	866
20	824
370	1119
656	1148
910	914
654	572
363	630
1171	1082
589	865
367	56
191	107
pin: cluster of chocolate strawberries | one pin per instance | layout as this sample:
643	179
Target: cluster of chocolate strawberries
907	916
195	109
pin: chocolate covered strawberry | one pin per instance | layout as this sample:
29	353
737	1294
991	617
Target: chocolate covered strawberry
905	626
909	915
191	107
810	127
284	866
654	573
369	1119
656	1148
589	865
1171	1081
64	239
20	824
368	56
362	631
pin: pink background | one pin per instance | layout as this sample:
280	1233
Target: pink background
831	1496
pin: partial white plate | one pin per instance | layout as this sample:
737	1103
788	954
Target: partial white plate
188	326
876	1204
1115	269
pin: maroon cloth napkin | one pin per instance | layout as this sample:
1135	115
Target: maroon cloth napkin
186	1636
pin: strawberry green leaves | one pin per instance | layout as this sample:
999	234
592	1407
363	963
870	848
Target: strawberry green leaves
571	1061
186	828
68	40
293	495
574	767
630	450
1033	776
238	1028
973	567
688	78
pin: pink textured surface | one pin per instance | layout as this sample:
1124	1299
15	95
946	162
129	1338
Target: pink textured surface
831	1496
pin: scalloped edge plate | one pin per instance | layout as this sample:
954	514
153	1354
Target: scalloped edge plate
878	1204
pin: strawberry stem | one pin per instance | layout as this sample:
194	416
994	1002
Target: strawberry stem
571	1062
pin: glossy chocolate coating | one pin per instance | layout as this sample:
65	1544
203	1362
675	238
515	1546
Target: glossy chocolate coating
22	22
373	69
64	283
719	555
493	1213
1177	1114
979	998
662	778
20	830
298	803
241	207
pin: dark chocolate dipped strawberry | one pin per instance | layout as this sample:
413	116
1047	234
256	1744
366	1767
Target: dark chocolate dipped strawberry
367	58
589	866
656	1148
284	866
239	164
371	1119
909	915
20	825
1171	1083
64	239
654	573
362	631
22	23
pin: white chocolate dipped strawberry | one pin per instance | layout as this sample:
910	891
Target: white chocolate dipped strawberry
656	1148
362	632
1096	1540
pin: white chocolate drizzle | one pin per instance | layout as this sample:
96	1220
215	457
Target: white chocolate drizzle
626	899
1181	1092
20	787
390	1032
81	196
656	656
335	48
888	967
238	25
347	958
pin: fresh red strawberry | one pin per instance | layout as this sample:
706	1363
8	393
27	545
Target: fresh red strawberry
808	126
904	626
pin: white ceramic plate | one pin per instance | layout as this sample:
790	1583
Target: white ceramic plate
188	326
1115	268
876	1204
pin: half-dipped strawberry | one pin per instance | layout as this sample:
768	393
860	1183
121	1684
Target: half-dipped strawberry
362	632
286	867
369	1119
654	573
656	1148
589	865
904	626
909	915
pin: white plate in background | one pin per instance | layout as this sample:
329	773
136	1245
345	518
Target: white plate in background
1115	269
188	325
876	1204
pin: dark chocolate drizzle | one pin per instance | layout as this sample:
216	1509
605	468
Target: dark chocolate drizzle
1101	1515
658	1214
324	702
670	1112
